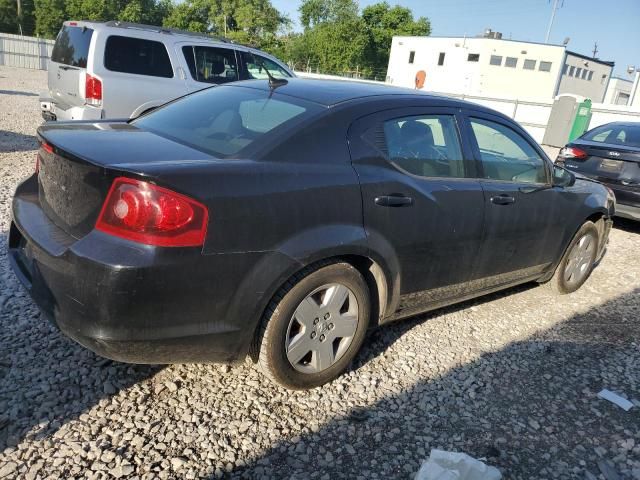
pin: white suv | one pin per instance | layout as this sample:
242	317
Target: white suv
120	70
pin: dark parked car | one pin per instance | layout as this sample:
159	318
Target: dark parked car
610	154
282	223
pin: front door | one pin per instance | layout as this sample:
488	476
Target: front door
421	204
523	221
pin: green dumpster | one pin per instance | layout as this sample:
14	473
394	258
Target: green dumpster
581	122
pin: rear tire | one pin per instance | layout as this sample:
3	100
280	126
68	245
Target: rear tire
314	326
578	261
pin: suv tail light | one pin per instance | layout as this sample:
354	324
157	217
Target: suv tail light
573	152
152	215
93	91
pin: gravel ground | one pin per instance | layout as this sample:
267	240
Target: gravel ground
512	377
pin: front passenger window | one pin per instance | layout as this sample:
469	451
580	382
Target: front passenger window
506	155
425	145
210	64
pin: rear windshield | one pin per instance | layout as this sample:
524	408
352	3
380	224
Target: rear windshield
627	135
72	46
223	121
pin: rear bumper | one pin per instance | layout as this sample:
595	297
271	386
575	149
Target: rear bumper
136	303
52	111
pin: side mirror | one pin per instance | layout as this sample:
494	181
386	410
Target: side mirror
562	177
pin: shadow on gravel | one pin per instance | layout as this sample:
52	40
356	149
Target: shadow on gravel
530	409
47	380
16	92
626	225
16	142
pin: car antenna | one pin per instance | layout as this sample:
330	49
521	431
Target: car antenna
273	81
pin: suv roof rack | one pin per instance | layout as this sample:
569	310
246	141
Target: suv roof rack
171	31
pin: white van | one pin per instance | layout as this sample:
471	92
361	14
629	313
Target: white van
121	70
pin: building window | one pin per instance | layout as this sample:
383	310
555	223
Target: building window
572	69
603	79
511	62
623	98
529	64
565	69
473	57
584	74
441	59
495	60
545	66
578	72
412	56
590	76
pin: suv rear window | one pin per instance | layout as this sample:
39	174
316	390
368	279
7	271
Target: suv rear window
224	121
72	46
137	56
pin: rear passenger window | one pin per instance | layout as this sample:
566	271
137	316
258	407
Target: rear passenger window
211	65
137	56
425	145
506	155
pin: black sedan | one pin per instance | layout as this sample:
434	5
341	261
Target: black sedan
610	154
282	221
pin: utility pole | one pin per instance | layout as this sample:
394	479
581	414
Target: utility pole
19	11
556	6
595	49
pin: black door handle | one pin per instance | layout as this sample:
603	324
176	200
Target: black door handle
503	199
394	201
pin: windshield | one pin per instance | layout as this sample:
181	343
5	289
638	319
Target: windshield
223	121
613	134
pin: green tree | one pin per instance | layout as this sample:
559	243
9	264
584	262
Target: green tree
11	22
49	17
254	22
316	12
337	39
49	14
382	22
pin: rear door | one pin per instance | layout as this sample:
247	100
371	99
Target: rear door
421	203
66	74
524	222
136	72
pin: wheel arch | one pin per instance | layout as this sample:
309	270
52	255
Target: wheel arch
373	273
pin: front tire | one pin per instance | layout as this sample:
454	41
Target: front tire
315	326
578	261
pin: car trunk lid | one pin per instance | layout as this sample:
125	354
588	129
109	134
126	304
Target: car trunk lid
75	176
611	164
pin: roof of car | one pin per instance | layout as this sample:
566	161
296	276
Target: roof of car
332	92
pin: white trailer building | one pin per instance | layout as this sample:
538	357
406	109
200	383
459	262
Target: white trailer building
495	67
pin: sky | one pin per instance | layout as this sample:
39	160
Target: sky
613	24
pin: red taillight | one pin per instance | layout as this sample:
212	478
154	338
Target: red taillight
573	152
153	215
47	148
93	90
